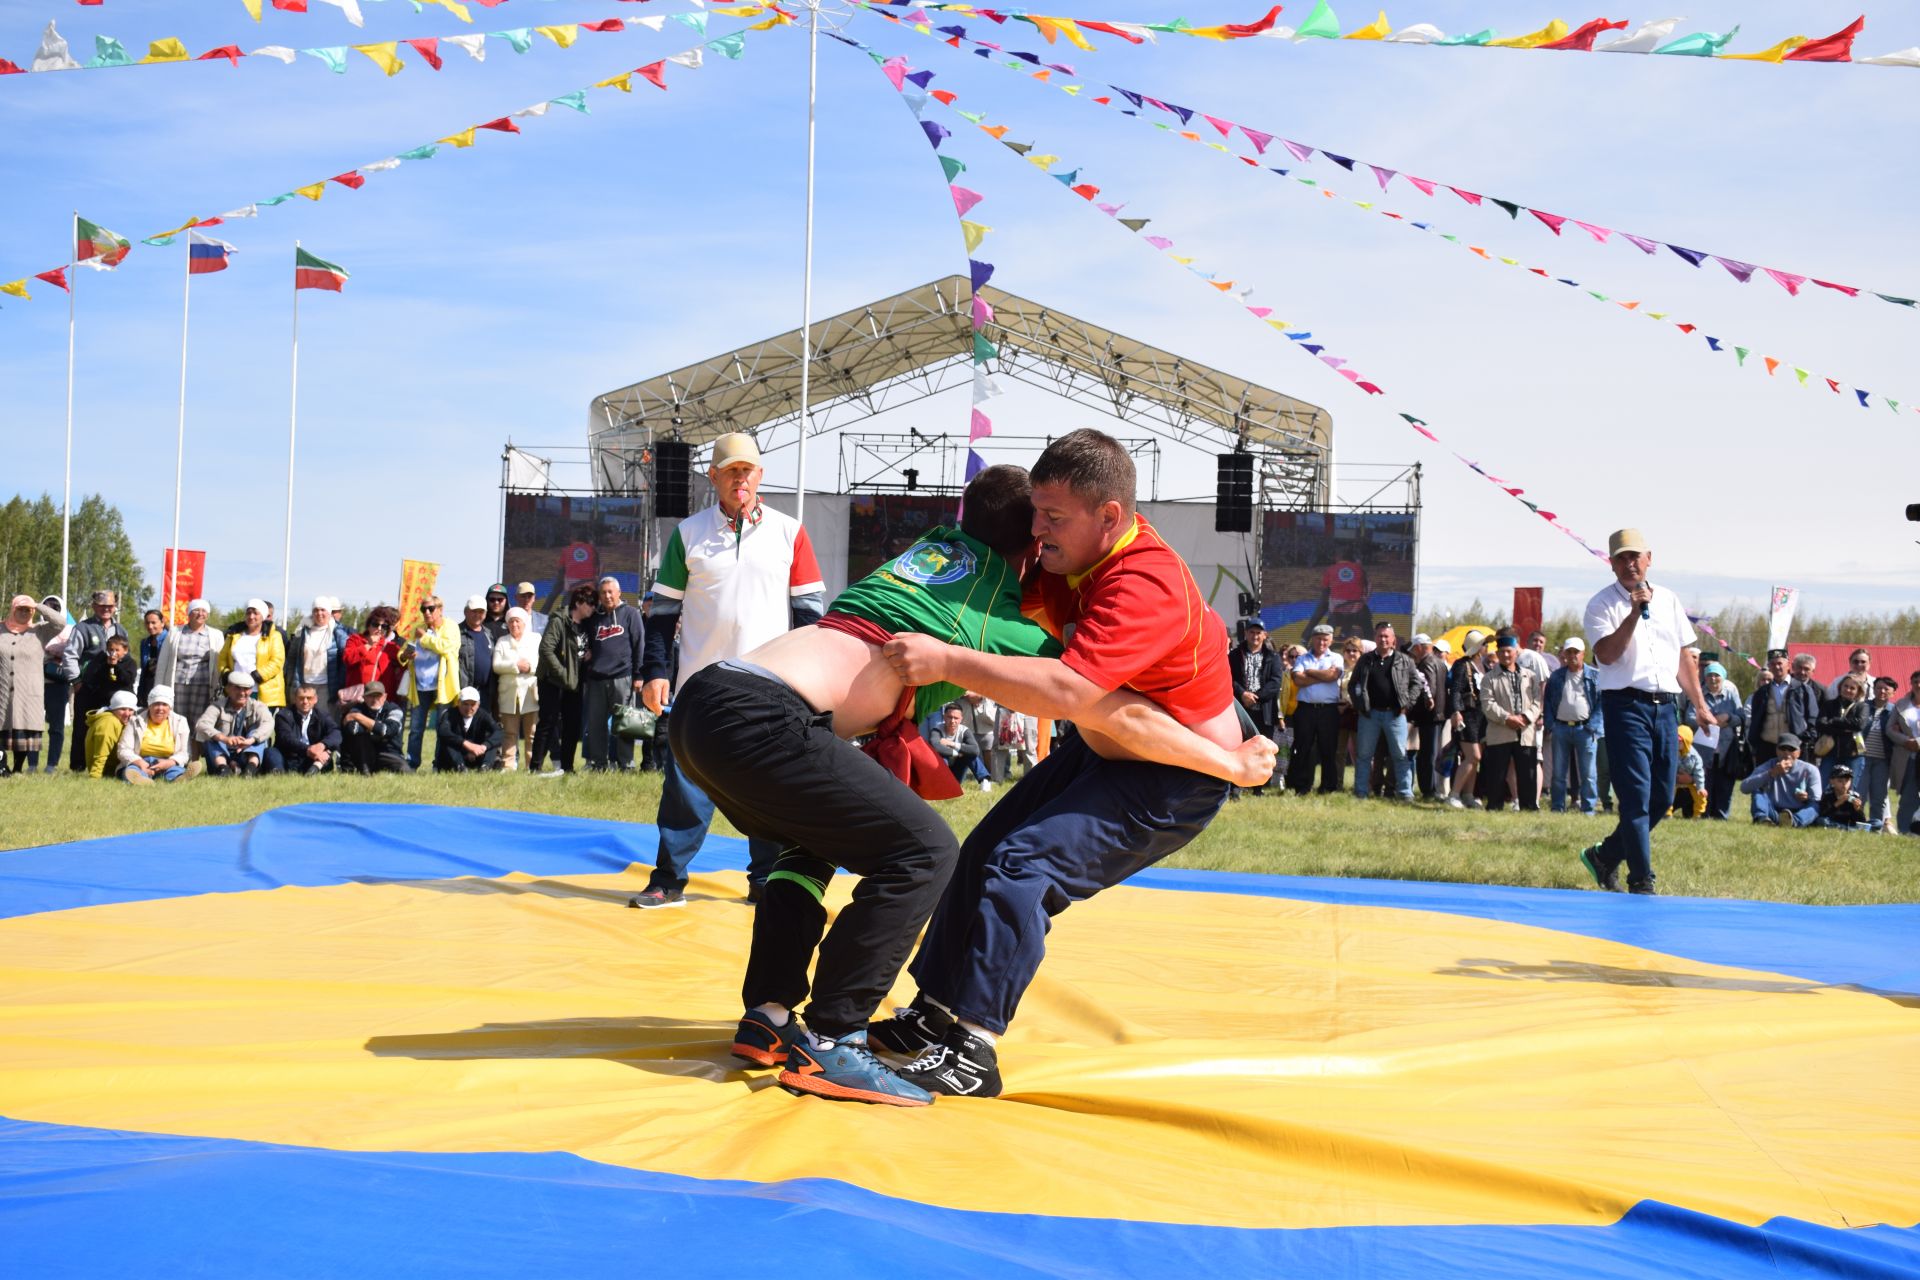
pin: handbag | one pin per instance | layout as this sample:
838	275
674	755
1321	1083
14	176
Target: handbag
631	723
352	695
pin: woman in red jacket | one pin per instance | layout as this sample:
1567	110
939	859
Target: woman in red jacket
373	654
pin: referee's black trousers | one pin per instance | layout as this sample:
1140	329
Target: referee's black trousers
774	767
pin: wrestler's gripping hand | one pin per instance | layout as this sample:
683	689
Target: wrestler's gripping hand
918	660
1254	760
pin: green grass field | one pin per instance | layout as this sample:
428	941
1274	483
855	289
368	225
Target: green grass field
1315	836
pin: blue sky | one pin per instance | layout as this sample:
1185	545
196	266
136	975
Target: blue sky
496	290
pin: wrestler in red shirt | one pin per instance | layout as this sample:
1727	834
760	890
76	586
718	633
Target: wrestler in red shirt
1102	805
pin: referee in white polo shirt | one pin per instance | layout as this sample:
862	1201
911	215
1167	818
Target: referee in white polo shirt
1641	639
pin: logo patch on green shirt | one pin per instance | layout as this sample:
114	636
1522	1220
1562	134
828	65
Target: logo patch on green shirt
935	564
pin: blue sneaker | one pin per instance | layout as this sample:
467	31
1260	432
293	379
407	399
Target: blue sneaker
758	1041
846	1071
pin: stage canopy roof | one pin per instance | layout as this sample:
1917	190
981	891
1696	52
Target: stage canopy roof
919	343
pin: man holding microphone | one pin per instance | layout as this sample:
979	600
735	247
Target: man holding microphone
1641	641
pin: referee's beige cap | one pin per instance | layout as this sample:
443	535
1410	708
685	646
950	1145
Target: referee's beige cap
735	446
1625	540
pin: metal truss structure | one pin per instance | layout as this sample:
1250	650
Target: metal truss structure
919	343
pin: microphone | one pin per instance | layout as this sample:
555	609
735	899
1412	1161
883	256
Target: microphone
1646	606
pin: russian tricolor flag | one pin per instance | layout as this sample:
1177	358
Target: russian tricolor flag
205	254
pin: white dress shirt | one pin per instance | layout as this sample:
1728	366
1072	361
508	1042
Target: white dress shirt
1651	660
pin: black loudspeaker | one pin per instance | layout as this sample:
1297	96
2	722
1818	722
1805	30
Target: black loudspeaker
1233	504
673	479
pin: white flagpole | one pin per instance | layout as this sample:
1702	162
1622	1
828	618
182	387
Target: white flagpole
66	501
806	288
180	442
293	417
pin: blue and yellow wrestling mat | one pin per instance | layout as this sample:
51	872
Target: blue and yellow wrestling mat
393	1040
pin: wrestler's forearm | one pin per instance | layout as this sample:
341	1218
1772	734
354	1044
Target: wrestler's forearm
1042	687
1143	731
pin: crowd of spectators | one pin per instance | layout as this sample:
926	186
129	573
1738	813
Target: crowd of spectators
1507	723
503	688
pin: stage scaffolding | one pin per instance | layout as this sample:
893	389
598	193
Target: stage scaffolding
919	343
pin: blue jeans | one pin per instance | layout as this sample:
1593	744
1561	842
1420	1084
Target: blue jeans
172	773
419	715
1074	825
1874	785
1367	734
1765	810
221	753
965	765
1834	760
1643	754
685	814
1576	750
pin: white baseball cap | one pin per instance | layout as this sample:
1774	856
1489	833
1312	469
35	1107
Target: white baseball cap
1573	642
476	602
470	694
1421	638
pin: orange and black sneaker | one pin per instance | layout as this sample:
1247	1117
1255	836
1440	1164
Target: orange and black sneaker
845	1070
758	1041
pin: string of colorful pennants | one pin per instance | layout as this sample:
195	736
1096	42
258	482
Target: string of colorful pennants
1714	345
1706	625
350	9
105	250
1556	36
54	53
973	233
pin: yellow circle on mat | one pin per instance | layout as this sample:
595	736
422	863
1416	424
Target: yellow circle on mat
1184	1057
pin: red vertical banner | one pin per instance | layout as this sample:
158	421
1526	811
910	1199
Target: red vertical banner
1527	614
187	570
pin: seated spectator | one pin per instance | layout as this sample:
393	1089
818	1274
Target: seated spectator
108	672
469	738
516	658
373	734
154	745
1690	781
1839	806
1842	728
104	728
953	742
1786	789
304	736
1723	758
235	733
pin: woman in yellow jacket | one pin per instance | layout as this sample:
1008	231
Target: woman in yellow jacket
254	646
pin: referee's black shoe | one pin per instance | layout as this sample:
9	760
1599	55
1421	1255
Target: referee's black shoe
910	1032
1607	877
962	1065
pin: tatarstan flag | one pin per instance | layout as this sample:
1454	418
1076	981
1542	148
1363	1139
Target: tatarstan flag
97	246
310	272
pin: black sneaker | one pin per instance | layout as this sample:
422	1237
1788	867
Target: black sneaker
1642	887
758	1041
961	1065
910	1032
655	896
1609	879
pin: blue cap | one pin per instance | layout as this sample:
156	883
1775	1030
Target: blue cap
1507	642
1714	669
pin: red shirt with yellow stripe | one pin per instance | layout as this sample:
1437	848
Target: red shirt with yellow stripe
1137	620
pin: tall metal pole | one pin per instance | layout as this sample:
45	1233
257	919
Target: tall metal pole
293	418
806	289
66	500
180	442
